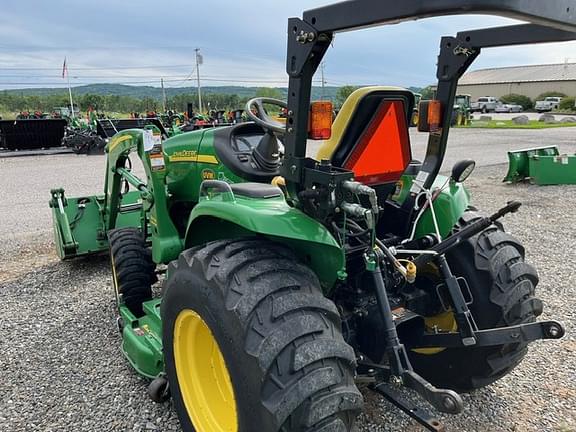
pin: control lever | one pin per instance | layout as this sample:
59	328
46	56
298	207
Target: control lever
469	231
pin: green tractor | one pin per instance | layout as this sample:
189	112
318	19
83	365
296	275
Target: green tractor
290	280
81	136
462	115
415	113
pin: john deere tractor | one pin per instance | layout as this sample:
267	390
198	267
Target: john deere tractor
290	280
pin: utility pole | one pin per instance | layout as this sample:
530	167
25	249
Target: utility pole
163	94
199	61
66	74
323	81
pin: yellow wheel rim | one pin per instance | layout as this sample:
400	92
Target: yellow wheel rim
444	321
203	377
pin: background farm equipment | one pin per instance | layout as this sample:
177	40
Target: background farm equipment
462	114
541	166
31	134
32	115
83	141
415	113
82	136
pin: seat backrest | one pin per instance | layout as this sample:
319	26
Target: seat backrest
370	134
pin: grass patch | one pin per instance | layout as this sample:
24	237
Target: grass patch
509	124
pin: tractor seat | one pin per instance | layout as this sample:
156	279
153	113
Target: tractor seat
256	190
370	135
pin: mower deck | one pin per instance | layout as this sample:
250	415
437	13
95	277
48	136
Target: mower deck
142	339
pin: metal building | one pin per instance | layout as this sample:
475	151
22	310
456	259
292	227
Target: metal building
529	81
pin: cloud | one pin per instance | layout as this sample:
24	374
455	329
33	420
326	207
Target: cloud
242	42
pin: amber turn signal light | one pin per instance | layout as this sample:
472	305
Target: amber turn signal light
320	122
430	113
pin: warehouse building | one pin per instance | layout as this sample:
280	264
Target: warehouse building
529	81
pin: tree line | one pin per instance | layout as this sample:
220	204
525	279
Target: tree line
14	102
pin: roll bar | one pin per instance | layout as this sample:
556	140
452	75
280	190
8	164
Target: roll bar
350	15
310	37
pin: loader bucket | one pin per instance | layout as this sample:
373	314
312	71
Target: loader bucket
79	227
107	128
31	134
519	167
553	170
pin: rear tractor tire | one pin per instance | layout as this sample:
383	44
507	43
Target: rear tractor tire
251	344
502	286
133	271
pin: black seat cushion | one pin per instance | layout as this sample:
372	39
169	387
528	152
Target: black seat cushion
256	190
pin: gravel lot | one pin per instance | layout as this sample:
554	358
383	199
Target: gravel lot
60	351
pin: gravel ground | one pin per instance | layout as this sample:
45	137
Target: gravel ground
61	361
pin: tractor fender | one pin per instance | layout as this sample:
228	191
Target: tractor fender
217	219
449	207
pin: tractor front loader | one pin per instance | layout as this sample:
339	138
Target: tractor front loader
290	280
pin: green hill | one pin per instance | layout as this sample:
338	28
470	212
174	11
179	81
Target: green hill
156	92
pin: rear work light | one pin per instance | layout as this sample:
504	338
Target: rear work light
430	116
320	122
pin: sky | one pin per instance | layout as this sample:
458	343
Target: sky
242	43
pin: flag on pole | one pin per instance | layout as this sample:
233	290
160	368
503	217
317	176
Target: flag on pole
64	69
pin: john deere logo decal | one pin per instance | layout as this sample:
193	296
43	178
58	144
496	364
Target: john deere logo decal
208	174
192	156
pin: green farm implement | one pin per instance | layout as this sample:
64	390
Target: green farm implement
553	170
542	166
290	280
81	136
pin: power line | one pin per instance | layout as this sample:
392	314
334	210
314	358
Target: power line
48	83
138	77
172	78
153	81
102	68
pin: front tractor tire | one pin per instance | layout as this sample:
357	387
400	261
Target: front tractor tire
502	285
133	271
251	344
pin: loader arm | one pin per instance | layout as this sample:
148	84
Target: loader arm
155	220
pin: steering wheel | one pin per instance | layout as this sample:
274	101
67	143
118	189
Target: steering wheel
262	118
